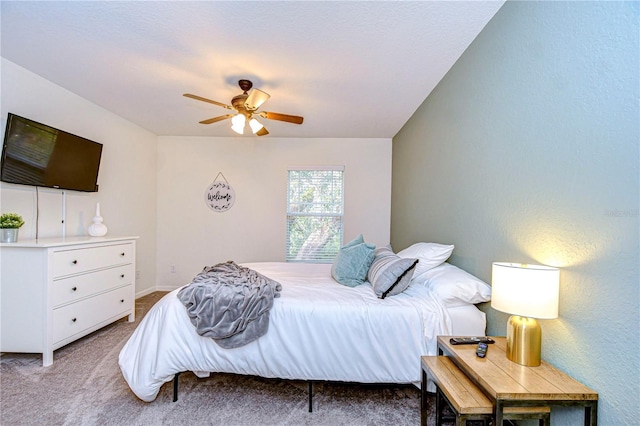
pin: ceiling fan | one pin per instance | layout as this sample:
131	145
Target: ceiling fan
246	107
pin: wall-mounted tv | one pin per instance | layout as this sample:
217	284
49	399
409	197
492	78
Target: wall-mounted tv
39	155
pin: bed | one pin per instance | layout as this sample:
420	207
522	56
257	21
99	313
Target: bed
319	330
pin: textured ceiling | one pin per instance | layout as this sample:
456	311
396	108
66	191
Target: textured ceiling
351	68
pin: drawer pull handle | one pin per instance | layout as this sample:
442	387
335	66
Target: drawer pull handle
121	300
74	320
121	275
75	262
122	254
74	288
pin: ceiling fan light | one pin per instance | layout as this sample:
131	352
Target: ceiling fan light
237	123
255	125
255	99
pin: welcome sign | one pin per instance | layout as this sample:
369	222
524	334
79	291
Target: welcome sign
219	196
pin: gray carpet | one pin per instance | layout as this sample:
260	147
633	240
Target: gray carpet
84	386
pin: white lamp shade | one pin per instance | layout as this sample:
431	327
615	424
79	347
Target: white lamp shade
525	290
255	99
255	125
238	122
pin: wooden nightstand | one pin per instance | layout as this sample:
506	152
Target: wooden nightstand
509	384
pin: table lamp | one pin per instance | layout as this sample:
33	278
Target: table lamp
526	292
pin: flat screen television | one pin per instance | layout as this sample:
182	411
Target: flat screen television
40	155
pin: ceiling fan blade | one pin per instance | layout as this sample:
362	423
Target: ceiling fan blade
216	119
200	98
255	99
282	117
262	132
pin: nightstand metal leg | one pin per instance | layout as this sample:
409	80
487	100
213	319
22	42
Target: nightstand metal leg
591	414
499	412
423	399
439	407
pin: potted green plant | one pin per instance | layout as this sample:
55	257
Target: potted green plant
9	225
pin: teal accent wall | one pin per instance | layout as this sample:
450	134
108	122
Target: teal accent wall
528	151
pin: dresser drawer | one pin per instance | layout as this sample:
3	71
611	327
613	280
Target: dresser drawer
76	287
74	261
77	317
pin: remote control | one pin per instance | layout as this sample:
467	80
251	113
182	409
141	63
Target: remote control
470	340
481	350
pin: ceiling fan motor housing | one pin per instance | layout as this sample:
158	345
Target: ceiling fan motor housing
238	104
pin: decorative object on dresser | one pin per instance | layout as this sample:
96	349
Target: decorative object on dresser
97	229
527	292
9	225
56	290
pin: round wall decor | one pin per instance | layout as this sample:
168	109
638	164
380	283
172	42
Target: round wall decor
219	196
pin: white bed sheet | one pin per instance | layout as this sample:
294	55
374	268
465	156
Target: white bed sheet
319	330
467	320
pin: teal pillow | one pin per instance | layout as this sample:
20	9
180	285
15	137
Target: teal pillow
352	263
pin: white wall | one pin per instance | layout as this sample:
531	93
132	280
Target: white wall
528	151
127	178
153	187
191	235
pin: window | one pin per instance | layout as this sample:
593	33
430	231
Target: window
315	204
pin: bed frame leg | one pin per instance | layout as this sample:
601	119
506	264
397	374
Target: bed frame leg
310	396
175	387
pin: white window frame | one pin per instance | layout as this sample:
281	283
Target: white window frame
336	215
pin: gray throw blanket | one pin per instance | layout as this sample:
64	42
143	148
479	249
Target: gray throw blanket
230	303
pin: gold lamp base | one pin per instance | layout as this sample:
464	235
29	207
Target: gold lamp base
524	341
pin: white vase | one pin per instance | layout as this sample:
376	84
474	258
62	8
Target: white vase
9	235
97	229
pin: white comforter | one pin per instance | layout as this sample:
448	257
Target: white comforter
319	330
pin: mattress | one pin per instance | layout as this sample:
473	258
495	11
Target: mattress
318	330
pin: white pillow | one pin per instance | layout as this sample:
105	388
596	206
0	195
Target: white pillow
454	287
429	255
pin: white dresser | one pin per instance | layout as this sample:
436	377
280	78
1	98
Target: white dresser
56	290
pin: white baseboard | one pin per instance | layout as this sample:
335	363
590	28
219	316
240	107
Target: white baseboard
144	292
151	290
166	288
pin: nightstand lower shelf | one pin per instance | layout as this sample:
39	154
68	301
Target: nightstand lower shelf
463	397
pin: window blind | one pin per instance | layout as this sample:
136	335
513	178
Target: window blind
315	206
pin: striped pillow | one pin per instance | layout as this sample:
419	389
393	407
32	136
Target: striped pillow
390	274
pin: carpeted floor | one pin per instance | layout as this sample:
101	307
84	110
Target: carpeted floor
84	386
